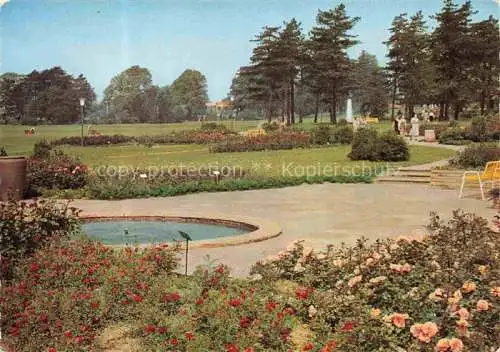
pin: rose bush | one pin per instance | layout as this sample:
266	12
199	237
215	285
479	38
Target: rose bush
438	293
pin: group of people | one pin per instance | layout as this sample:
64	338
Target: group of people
29	132
403	128
358	122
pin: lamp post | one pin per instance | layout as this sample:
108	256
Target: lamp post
187	238
82	104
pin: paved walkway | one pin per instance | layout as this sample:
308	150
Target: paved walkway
321	214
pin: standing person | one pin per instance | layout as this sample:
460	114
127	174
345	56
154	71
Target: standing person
402	126
396	122
355	124
415	125
431	116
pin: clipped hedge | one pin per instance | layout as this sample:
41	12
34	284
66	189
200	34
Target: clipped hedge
136	190
275	141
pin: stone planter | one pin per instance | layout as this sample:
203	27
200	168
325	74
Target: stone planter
12	177
429	136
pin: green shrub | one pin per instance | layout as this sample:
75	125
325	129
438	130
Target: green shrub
214	127
343	134
364	145
452	136
270	127
3	152
122	189
438	128
93	140
342	122
41	150
274	141
25	227
55	171
479	129
321	134
476	156
391	147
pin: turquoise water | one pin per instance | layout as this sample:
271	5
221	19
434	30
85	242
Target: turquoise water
146	231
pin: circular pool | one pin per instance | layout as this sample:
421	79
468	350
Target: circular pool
118	231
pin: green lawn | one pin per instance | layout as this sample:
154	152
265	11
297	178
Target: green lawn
17	143
270	163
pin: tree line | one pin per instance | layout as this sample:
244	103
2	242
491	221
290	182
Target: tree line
454	65
52	96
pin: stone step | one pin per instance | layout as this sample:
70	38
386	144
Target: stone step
411	170
387	179
410	174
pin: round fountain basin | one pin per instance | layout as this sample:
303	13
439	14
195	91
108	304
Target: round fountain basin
147	230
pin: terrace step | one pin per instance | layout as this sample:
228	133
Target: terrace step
396	179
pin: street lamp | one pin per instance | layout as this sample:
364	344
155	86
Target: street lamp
82	104
187	238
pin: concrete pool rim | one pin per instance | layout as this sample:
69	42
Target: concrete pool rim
259	229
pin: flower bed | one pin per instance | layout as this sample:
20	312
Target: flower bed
209	133
439	293
273	141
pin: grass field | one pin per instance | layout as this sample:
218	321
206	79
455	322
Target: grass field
13	139
272	163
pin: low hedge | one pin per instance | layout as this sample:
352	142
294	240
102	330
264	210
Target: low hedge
275	141
208	133
135	190
476	156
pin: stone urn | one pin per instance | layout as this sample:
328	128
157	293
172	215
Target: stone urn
12	177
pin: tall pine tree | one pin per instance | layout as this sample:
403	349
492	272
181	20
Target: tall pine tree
328	45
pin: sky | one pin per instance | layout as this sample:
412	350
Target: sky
101	38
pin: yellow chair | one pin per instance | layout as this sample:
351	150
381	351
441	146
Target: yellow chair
489	176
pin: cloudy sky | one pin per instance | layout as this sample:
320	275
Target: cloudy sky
100	38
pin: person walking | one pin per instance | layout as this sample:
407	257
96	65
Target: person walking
415	126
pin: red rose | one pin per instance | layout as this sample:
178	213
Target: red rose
232	348
174	342
162	330
245	322
220	269
271	305
137	298
235	302
172	297
149	329
68	333
348	326
303	293
309	346
51	349
34	267
189	336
